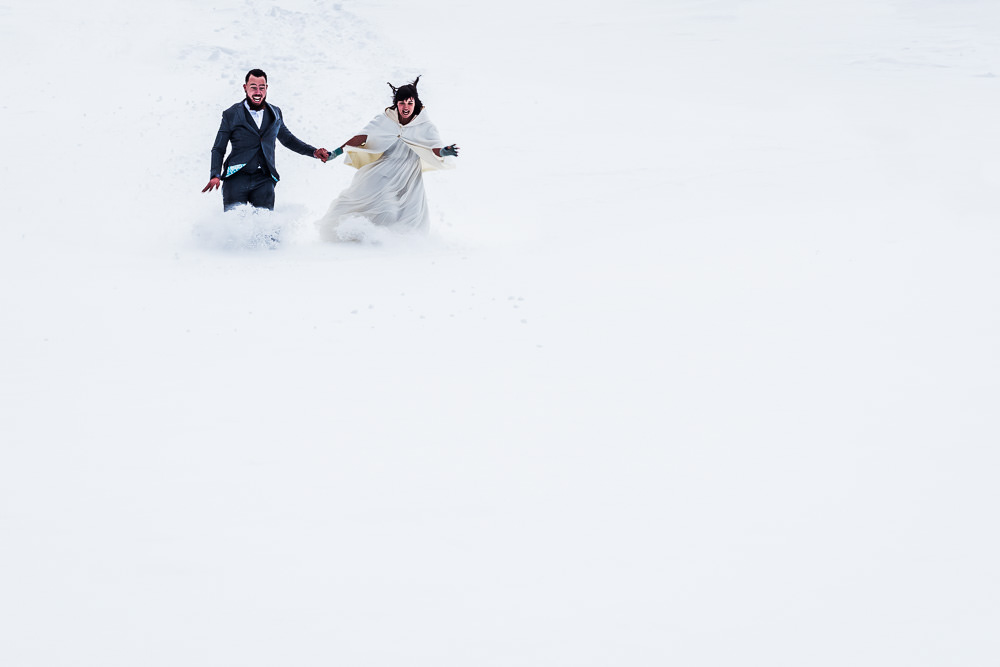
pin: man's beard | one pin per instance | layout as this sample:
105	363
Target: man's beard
256	107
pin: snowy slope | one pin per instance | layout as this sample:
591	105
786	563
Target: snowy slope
697	367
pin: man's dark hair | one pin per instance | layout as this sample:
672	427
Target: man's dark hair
255	72
405	93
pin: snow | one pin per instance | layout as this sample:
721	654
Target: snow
698	365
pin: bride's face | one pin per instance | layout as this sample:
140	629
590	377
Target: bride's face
405	109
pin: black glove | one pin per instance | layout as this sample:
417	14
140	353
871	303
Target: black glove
449	150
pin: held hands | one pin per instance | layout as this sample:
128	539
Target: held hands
335	153
322	154
213	184
449	150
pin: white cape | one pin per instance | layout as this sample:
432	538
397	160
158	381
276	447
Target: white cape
388	189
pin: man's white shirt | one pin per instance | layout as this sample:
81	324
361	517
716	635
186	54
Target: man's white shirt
258	116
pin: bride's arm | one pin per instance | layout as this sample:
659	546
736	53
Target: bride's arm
446	150
354	142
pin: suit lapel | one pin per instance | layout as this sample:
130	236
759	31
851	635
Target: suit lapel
269	117
247	118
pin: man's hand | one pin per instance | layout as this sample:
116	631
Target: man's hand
322	154
213	184
450	150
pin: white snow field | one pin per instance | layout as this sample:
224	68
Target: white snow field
698	366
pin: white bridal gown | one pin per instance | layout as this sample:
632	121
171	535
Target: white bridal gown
388	191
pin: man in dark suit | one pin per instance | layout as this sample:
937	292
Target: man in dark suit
251	126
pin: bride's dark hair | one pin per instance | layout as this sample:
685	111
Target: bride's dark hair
405	92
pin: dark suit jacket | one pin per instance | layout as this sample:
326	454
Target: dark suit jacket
239	129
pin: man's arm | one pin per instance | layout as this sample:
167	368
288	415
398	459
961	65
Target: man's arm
291	142
218	154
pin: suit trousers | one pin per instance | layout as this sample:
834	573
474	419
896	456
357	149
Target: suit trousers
248	187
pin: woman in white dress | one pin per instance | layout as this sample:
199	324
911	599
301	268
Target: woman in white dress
390	154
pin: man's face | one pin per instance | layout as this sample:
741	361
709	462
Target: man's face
256	90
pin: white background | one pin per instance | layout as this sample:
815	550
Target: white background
697	367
